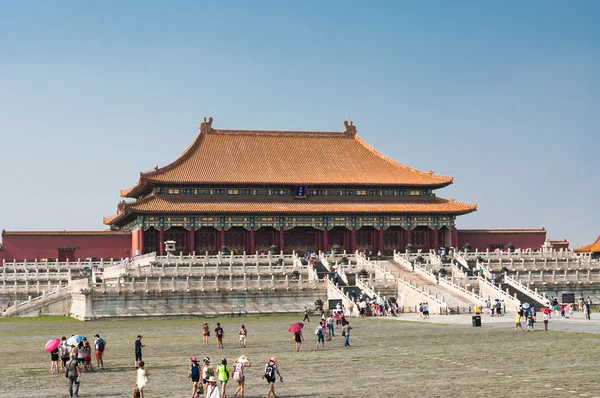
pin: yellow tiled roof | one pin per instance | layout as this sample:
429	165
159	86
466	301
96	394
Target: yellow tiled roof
590	248
284	157
180	204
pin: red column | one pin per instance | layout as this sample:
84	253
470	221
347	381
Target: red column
381	243
141	241
161	241
408	235
325	245
428	239
435	239
353	240
221	238
192	240
281	242
453	237
251	240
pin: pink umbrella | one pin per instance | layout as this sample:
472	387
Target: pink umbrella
52	345
296	327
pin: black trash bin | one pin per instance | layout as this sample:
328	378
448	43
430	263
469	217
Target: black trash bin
476	320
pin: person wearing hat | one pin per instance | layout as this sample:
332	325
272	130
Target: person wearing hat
238	374
138	350
212	391
243	334
207	371
205	333
194	375
271	369
99	344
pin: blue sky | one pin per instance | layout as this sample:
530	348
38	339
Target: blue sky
504	96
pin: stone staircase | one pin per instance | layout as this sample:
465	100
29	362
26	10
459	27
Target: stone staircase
444	293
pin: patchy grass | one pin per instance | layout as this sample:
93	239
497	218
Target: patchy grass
387	359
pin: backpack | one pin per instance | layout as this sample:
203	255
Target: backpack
318	330
270	370
220	332
238	373
101	343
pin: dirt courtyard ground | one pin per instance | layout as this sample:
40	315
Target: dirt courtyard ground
387	358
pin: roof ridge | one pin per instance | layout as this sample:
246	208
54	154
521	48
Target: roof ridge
400	165
282	133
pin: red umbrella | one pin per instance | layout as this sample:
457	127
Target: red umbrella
296	327
52	345
545	310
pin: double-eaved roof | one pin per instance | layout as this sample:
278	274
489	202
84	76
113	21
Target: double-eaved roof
284	158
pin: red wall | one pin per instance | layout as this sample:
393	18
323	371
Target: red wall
482	240
33	247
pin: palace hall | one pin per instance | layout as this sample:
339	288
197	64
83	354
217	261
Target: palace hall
249	190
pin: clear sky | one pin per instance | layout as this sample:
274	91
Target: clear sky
504	96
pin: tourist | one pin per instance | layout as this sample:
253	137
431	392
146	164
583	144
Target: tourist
64	352
142	377
138	350
205	333
545	318
298	339
87	356
73	374
320	336
219	335
426	310
518	322
530	322
99	345
346	333
212	389
207	371
571	311
588	309
306	315
271	368
54	358
238	374
223	373
556	310
243	334
194	375
330	330
80	353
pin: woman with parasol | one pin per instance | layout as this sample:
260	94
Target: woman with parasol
296	328
52	348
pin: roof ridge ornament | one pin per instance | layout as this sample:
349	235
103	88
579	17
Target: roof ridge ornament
349	128
206	125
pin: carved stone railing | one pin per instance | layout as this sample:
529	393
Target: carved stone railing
46	298
541	299
461	291
416	295
493	292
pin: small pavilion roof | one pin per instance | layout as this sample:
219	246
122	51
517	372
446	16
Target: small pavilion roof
593	247
258	157
185	204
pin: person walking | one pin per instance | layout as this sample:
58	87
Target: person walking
346	333
54	354
194	375
238	374
212	389
205	333
518	322
320	336
306	315
64	353
223	374
142	378
219	335
243	334
530	322
271	369
298	339
138	350
330	328
207	371
99	345
73	374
